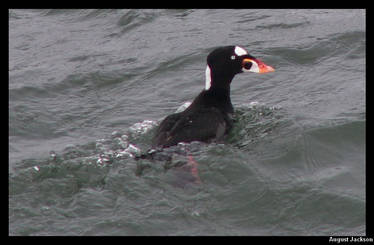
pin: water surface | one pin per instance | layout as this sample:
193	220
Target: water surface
90	85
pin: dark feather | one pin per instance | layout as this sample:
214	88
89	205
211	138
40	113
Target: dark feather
204	125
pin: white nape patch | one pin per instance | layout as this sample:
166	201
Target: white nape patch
240	51
208	78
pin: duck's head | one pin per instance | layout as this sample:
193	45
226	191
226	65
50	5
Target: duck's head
225	62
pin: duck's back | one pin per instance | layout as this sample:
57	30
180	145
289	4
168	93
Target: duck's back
203	124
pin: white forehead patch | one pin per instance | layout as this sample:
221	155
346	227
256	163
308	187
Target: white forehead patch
240	51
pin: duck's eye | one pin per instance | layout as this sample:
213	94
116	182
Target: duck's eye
233	57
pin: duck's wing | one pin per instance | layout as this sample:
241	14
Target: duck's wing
203	125
164	129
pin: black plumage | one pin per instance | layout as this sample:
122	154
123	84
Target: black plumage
209	117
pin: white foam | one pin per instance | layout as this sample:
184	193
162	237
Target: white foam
142	127
130	151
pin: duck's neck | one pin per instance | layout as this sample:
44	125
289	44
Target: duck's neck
214	97
217	91
217	79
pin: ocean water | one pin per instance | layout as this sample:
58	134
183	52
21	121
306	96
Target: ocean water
88	87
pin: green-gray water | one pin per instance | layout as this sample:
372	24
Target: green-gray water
84	83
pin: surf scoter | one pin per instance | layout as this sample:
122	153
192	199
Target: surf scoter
209	117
